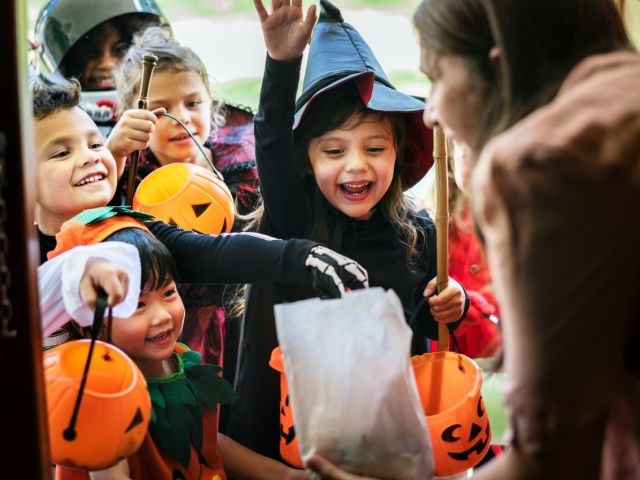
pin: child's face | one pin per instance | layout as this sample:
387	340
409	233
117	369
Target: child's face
456	100
150	335
185	97
74	169
353	166
103	58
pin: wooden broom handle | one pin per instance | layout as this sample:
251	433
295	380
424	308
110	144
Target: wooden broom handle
442	224
149	61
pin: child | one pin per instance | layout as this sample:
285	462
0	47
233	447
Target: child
88	42
339	177
180	86
75	171
181	388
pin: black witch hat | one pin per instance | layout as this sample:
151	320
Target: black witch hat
338	54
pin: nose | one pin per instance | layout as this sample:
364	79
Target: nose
429	116
182	114
90	157
355	161
160	316
107	58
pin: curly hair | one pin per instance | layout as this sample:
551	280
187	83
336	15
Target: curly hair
48	99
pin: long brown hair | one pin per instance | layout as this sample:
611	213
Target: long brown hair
540	42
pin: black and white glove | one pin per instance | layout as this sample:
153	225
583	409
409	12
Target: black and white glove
331	273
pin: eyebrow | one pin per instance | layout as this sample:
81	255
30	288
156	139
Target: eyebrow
64	139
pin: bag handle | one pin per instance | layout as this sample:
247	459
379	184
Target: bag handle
69	433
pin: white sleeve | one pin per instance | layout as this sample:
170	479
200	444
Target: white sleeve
59	284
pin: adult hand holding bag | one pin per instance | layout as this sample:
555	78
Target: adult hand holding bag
351	386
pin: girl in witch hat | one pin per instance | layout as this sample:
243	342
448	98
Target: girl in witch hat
334	167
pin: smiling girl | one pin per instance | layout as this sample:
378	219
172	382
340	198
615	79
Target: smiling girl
334	168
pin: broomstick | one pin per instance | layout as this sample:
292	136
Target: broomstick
148	63
442	224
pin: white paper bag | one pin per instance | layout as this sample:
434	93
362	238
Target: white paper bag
351	386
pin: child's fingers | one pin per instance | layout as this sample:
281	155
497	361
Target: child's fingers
310	21
88	293
138	125
445	296
430	289
159	110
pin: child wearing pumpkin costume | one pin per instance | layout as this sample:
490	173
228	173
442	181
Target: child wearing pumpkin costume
182	441
333	167
75	172
180	85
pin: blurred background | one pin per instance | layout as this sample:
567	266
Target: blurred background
226	34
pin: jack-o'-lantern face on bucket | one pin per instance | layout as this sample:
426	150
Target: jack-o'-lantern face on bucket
449	386
188	196
473	438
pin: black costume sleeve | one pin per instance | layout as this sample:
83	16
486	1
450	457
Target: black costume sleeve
234	258
281	188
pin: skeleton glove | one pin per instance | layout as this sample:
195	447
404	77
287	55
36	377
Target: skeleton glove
331	273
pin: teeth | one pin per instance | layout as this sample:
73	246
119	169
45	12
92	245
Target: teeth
91	179
159	337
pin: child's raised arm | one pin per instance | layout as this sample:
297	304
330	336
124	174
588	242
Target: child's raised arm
286	33
132	132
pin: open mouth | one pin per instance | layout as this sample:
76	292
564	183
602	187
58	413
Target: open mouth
160	337
102	82
96	177
355	190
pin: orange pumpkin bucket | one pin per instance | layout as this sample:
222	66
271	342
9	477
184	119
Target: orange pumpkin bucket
186	195
115	411
289	449
449	386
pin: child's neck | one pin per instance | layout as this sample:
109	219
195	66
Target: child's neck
157	368
48	224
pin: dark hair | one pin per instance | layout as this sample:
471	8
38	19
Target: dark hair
48	99
337	107
158	265
88	46
540	42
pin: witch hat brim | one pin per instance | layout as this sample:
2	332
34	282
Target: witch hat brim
337	55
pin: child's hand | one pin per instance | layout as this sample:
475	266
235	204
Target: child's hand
132	132
100	273
448	305
286	33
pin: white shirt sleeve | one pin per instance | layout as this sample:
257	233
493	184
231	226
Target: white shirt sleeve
59	284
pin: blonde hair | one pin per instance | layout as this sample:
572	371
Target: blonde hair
172	57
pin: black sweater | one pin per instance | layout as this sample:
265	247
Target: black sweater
254	418
226	259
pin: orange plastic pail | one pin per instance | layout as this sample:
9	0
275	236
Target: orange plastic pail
449	386
289	449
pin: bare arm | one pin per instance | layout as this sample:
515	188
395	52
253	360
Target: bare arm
242	463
